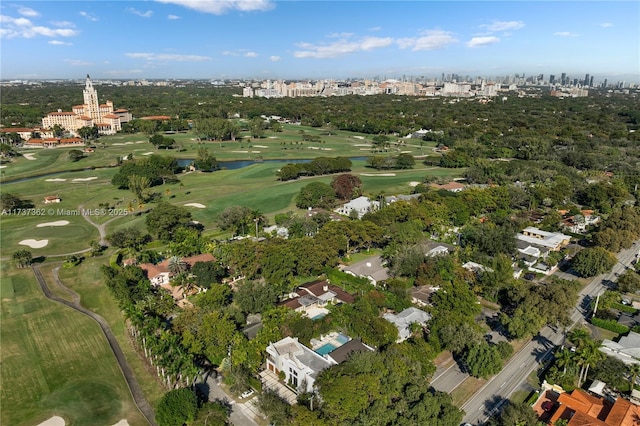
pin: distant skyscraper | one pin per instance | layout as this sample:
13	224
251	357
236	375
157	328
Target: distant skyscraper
586	79
563	78
605	83
591	82
552	79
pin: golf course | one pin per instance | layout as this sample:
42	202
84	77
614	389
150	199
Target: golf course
56	361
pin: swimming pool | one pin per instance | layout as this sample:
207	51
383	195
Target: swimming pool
325	349
342	338
319	317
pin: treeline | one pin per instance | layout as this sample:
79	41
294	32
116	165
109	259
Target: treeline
317	167
156	168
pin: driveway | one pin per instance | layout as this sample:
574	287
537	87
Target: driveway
242	413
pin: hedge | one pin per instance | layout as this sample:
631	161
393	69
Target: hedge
624	308
610	325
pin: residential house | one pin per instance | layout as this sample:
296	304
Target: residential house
579	408
451	186
421	296
371	268
159	274
361	205
52	199
434	248
341	354
404	319
554	241
311	298
578	224
627	349
299	364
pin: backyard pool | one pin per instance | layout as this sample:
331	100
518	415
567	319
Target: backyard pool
342	338
325	349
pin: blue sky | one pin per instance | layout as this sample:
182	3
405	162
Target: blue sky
317	39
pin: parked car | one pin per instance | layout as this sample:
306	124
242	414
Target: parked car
247	393
547	405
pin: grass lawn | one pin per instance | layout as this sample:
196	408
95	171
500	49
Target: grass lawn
86	280
465	390
55	361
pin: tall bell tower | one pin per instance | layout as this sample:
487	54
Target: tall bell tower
91	100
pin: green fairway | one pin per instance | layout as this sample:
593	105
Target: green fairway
55	361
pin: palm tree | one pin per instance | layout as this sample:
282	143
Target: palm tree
579	337
589	355
257	217
634	371
177	265
564	359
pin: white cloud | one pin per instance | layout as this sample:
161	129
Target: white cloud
606	25
219	7
59	43
340	35
375	28
230	53
24	28
564	34
25	11
274	58
496	26
167	57
341	47
482	41
251	54
146	14
429	40
64	24
78	62
88	15
173	17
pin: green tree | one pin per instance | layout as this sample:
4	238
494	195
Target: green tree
75	155
204	161
275	408
22	258
483	360
139	184
592	261
164	219
516	414
11	201
316	194
177	407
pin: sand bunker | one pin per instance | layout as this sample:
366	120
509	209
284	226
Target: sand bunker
141	141
273	137
198	205
117	143
2	167
29	156
326	149
34	243
362	144
53	421
260	146
359	137
414	183
56	223
148	153
59	421
241	152
84	179
377	174
55	180
313	147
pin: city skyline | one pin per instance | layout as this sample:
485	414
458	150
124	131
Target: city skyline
264	39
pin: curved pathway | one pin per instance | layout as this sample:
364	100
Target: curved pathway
102	228
134	387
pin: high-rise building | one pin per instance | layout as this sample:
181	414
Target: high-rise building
552	79
563	78
586	80
591	82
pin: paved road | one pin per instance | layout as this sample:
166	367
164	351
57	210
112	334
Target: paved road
134	387
490	398
242	414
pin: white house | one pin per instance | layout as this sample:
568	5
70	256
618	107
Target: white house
553	241
372	268
627	349
299	364
361	205
404	319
